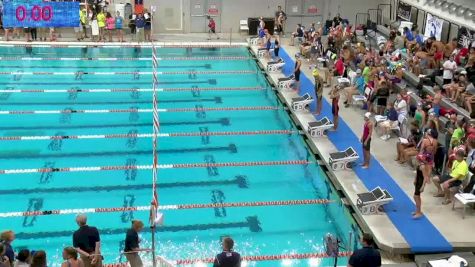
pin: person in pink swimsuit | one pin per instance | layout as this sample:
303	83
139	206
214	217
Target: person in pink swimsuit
110	25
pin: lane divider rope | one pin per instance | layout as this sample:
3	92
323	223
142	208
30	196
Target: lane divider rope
125	45
135	110
78	73
119	90
145	135
167	207
161	166
122	58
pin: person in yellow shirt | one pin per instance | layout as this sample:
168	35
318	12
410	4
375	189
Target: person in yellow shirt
101	22
447	184
83	20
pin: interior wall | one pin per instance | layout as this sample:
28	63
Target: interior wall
233	11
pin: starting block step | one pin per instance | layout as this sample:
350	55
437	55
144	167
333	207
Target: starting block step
371	202
302	102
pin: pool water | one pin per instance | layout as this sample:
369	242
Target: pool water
186	234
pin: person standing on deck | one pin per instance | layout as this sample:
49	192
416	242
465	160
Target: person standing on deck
87	242
212	28
366	140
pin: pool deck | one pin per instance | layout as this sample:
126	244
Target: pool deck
449	223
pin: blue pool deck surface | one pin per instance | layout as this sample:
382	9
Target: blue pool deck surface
186	234
396	230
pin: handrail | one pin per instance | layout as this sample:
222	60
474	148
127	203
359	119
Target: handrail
162	262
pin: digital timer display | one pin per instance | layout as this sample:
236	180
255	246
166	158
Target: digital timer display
39	14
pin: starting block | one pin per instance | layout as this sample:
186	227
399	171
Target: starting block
370	203
286	83
253	40
343	159
317	128
302	102
262	51
275	66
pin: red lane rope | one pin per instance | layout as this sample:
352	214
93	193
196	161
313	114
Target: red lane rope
167	207
148	167
296	256
147	135
121	58
118	90
135	110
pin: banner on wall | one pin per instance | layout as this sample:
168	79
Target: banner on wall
312	9
433	27
404	11
466	37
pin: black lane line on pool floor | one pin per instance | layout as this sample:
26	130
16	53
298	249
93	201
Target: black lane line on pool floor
222	121
217	100
209	81
251	222
231	148
240	181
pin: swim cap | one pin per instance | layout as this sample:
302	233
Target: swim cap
315	72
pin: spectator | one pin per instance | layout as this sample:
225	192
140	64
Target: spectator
140	24
398	41
110	25
401	107
132	247
4	261
83	23
367	256
87	242
212	29
449	68
119	21
280	18
39	259
381	94
148	26
227	258
366	139
70	255
132	25
357	88
407	148
448	183
337	20
23	258
436	100
297	34
450	127
7	238
420	115
101	23
408	35
390	123
458	134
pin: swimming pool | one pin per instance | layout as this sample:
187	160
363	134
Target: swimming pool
75	84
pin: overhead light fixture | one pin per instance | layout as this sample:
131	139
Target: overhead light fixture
453	8
440	3
445	5
469	13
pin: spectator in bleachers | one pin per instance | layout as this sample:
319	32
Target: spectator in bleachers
4	261
401	107
7	238
433	124
357	88
458	89
390	123
337	20
381	93
450	47
446	183
39	259
450	127
407	148
297	34
24	258
420	115
450	66
398	41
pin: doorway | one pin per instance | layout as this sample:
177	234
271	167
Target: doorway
200	10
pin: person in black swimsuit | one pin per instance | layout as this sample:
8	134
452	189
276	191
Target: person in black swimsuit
298	64
418	189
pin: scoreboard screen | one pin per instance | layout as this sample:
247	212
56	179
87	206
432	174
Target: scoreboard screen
39	14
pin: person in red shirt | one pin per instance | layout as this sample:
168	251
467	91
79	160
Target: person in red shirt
339	67
212	28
